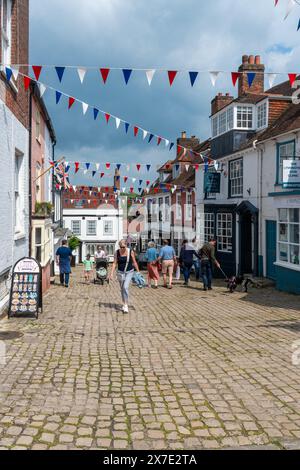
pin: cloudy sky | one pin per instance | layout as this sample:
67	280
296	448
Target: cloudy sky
169	34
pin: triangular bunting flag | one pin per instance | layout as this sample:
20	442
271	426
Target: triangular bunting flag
125	179
213	77
107	117
292	78
37	71
15	72
118	165
298	25
150	138
42	89
158	140
97	166
27	81
289	8
87	165
58	95
172	74
138	166
76	166
144	134
234	77
104	74
271	77
107	165
135	131
251	77
60	72
81	73
150	75
148	167
117	122
101	175
84	107
167	142
8	72
126	127
127	73
193	76
71	102
93	173
96	112
171	146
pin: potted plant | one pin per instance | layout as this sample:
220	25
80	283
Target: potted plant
43	209
73	243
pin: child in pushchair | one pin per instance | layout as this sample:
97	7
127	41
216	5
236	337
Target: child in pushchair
101	271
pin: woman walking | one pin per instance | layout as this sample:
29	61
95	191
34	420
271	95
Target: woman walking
124	262
168	257
152	264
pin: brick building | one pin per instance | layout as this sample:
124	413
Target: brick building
14	140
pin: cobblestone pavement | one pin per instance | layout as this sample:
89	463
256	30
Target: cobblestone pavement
186	369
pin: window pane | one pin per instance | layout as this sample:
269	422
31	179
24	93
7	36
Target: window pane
294	233
294	215
283	232
38	236
283	215
294	254
283	252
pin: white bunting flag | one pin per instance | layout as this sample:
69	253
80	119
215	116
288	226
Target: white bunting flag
175	186
90	193
172	190
89	201
213	77
187	167
133	180
271	77
74	189
97	166
106	201
289	8
123	190
42	89
150	75
147	190
15	72
99	189
144	134
81	73
167	142
84	107
216	165
84	172
184	151
72	200
118	122
103	194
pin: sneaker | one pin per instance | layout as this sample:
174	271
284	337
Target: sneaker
66	285
125	309
205	288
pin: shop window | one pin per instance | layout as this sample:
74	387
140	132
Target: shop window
289	236
209	226
285	151
224	232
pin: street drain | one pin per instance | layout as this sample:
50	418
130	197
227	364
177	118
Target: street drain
10	335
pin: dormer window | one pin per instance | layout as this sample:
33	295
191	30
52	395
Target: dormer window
262	115
244	117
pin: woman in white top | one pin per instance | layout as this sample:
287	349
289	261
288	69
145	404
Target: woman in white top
100	253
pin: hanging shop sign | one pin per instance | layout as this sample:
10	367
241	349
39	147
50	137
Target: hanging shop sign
26	288
212	182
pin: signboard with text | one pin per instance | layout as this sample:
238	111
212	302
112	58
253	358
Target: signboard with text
26	291
212	182
291	173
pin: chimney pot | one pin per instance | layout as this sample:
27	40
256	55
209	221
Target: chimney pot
251	59
257	59
227	94
183	134
245	59
220	94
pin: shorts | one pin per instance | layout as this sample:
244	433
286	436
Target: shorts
168	266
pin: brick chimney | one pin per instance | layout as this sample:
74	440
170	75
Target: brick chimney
187	142
251	64
117	180
220	101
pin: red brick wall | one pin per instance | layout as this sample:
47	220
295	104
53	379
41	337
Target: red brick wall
18	102
37	152
46	278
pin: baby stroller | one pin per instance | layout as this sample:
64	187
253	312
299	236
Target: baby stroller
101	271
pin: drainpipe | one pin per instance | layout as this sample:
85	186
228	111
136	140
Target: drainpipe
30	170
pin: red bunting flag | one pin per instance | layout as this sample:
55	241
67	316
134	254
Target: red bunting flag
276	1
138	166
292	78
107	165
131	189
196	167
101	175
147	182
156	190
71	102
107	117
135	131
37	71
158	140
27	81
104	74
76	166
106	188
234	76
125	179
168	166
172	74
179	148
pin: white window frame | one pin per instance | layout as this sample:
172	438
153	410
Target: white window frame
262	121
167	208
236	181
209	226
224	232
73	223
109	223
288	223
189	207
284	157
6	36
246	108
38	125
178	206
89	232
19	193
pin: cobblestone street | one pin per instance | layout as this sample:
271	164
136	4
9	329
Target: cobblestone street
186	369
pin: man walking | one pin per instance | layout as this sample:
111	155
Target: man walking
63	259
167	257
207	256
187	254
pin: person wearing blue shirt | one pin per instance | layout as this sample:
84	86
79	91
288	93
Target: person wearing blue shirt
63	259
167	257
152	265
186	260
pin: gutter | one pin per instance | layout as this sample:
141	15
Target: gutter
30	172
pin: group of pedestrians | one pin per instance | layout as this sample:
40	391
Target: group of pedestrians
164	260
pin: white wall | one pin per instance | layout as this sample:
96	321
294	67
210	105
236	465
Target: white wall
13	136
